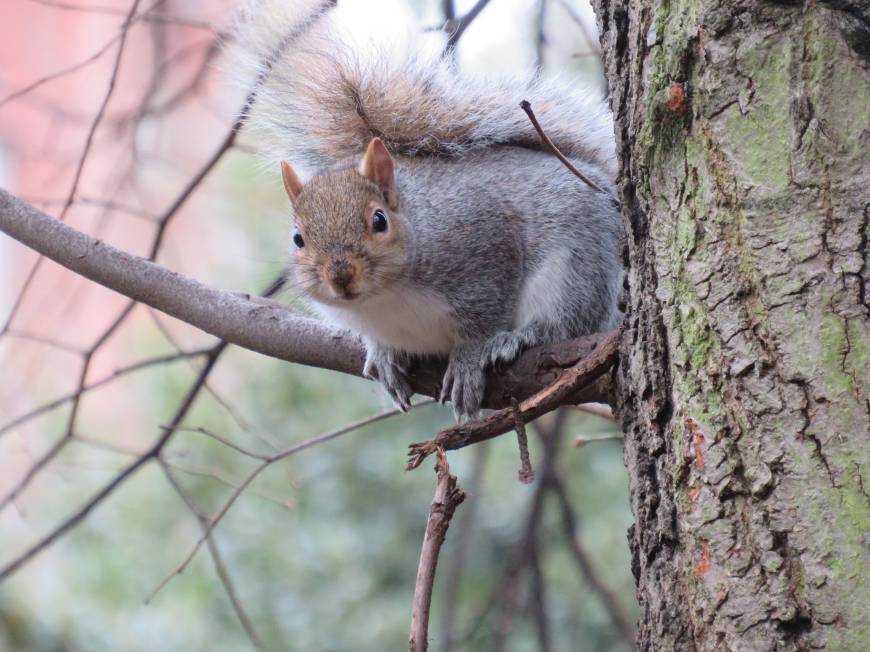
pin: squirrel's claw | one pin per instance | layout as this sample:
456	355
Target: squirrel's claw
464	382
446	387
386	367
393	381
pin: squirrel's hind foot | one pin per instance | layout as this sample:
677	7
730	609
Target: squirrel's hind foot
464	382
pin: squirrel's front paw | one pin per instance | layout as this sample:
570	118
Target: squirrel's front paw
388	368
464	382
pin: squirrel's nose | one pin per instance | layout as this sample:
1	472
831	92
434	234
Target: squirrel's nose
340	273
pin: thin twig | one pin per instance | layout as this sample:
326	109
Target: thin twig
538	598
109	488
112	11
222	440
292	450
590	41
118	373
108	205
447	498
95	123
540	35
41	339
526	473
597	409
219	565
101	111
463	537
583	440
527	107
162	224
456	27
61	444
505	596
614	609
224	403
11	213
76	66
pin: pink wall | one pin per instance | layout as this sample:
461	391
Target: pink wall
143	165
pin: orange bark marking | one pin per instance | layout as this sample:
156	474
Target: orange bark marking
676	98
697	440
704	564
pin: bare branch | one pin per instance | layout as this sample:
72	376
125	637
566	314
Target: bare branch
105	204
219	399
455	27
63	71
265	328
113	11
447	498
538	598
506	597
569	519
462	542
540	35
95	123
590	41
583	440
562	391
101	111
197	179
526	473
240	489
219	565
109	488
48	341
527	107
118	373
596	409
223	440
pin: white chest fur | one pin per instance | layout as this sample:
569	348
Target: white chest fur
405	318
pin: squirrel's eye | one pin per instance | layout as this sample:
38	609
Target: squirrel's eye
379	221
298	239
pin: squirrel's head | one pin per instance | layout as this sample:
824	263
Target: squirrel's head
348	237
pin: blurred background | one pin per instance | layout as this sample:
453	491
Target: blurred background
117	117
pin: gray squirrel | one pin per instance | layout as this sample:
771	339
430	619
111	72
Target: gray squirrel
434	223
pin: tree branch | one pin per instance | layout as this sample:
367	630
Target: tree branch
527	107
448	496
266	328
109	488
563	390
217	558
455	27
621	621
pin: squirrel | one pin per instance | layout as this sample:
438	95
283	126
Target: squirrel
435	223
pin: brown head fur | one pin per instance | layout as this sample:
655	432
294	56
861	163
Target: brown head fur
344	258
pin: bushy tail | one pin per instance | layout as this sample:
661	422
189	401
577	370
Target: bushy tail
322	96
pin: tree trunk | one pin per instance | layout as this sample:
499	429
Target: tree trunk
742	130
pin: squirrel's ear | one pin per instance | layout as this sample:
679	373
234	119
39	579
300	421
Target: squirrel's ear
377	166
292	184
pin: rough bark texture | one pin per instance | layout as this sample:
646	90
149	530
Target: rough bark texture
742	129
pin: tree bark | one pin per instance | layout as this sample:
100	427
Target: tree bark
742	131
